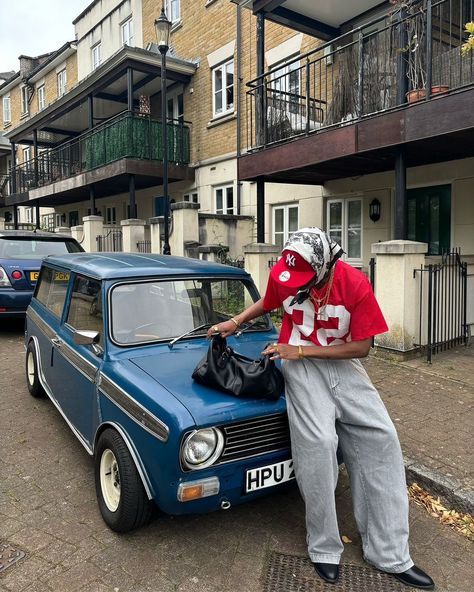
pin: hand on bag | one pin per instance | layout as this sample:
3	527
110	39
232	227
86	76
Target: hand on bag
224	328
281	351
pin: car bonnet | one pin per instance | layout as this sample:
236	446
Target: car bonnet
173	368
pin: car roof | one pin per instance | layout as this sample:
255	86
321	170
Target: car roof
34	234
132	265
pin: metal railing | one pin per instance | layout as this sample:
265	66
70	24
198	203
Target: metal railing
4	185
368	70
144	246
443	304
127	135
110	242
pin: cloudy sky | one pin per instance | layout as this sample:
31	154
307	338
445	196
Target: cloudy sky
33	27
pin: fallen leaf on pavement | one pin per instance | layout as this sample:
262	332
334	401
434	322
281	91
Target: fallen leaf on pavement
346	539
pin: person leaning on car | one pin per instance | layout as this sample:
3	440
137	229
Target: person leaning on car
330	316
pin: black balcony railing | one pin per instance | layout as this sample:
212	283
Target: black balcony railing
367	71
128	135
4	185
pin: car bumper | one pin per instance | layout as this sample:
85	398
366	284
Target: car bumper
13	303
232	485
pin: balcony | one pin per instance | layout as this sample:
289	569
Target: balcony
129	135
399	79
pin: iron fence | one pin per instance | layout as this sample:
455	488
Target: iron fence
144	246
4	185
366	71
443	304
112	241
127	135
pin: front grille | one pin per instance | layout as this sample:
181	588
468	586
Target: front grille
262	435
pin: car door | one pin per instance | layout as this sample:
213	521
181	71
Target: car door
75	367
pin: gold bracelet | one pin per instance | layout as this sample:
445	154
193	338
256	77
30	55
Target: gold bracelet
300	352
235	321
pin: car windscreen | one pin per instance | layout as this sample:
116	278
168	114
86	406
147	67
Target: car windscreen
148	311
35	247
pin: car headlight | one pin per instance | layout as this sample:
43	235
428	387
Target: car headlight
201	448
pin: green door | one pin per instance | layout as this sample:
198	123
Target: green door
429	217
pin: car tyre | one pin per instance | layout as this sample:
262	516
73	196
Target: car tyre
122	499
32	374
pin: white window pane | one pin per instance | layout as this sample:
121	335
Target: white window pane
279	220
293	219
218	102
230	97
335	216
219	201
218	79
353	244
354	213
230	199
279	240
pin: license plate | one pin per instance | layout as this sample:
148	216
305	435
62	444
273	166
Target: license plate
34	276
61	276
269	476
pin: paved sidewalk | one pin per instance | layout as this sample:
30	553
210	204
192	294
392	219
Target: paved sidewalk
432	407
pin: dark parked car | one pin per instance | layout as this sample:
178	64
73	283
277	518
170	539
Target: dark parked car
21	253
113	340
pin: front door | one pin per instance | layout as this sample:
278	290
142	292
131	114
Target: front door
429	217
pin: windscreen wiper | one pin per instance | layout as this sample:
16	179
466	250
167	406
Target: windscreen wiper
173	341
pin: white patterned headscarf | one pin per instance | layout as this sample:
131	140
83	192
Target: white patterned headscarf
315	247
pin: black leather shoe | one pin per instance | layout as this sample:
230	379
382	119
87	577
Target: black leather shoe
329	572
416	578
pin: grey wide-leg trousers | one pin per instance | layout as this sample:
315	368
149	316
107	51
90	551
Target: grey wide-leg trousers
331	403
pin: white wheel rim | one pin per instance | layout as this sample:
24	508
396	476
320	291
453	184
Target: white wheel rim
31	369
110	480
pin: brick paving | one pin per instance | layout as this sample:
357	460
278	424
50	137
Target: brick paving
48	507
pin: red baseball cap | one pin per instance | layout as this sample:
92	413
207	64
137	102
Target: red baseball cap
292	270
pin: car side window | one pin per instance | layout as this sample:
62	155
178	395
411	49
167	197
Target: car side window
52	288
85	308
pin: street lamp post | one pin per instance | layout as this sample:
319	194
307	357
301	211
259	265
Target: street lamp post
162	28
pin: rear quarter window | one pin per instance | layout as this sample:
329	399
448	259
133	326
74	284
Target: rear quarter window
51	289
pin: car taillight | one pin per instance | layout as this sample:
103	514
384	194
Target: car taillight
4	281
17	275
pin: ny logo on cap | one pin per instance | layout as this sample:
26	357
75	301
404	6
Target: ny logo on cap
290	260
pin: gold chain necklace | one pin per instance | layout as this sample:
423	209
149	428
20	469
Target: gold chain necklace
321	302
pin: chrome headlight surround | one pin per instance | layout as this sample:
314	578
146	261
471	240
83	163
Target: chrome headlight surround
212	438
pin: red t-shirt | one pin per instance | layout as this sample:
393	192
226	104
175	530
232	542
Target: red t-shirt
351	314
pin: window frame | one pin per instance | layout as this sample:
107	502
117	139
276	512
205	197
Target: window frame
25	106
6	99
127	25
41	92
226	110
286	220
27	156
46	269
168	10
355	261
96	49
67	312
61	78
225	209
191	197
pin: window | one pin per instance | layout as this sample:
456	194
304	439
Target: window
224	199
85	308
41	98
285	221
24	100
7	114
62	83
191	197
223	88
51	289
26	156
127	32
110	215
96	56
30	215
345	226
286	86
173	10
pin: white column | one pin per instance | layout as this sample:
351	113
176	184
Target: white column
77	232
398	292
185	226
133	231
63	230
156	224
93	227
2	223
257	257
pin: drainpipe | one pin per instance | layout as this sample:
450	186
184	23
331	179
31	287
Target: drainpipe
90	120
239	90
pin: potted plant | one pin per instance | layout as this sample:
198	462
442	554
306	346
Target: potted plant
468	45
414	14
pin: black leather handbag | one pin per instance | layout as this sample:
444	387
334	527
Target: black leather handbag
224	369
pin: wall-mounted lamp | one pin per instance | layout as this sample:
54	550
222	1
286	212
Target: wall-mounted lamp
374	210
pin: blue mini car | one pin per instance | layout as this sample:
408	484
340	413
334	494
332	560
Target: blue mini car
113	340
21	253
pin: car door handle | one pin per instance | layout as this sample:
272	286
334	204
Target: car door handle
56	341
